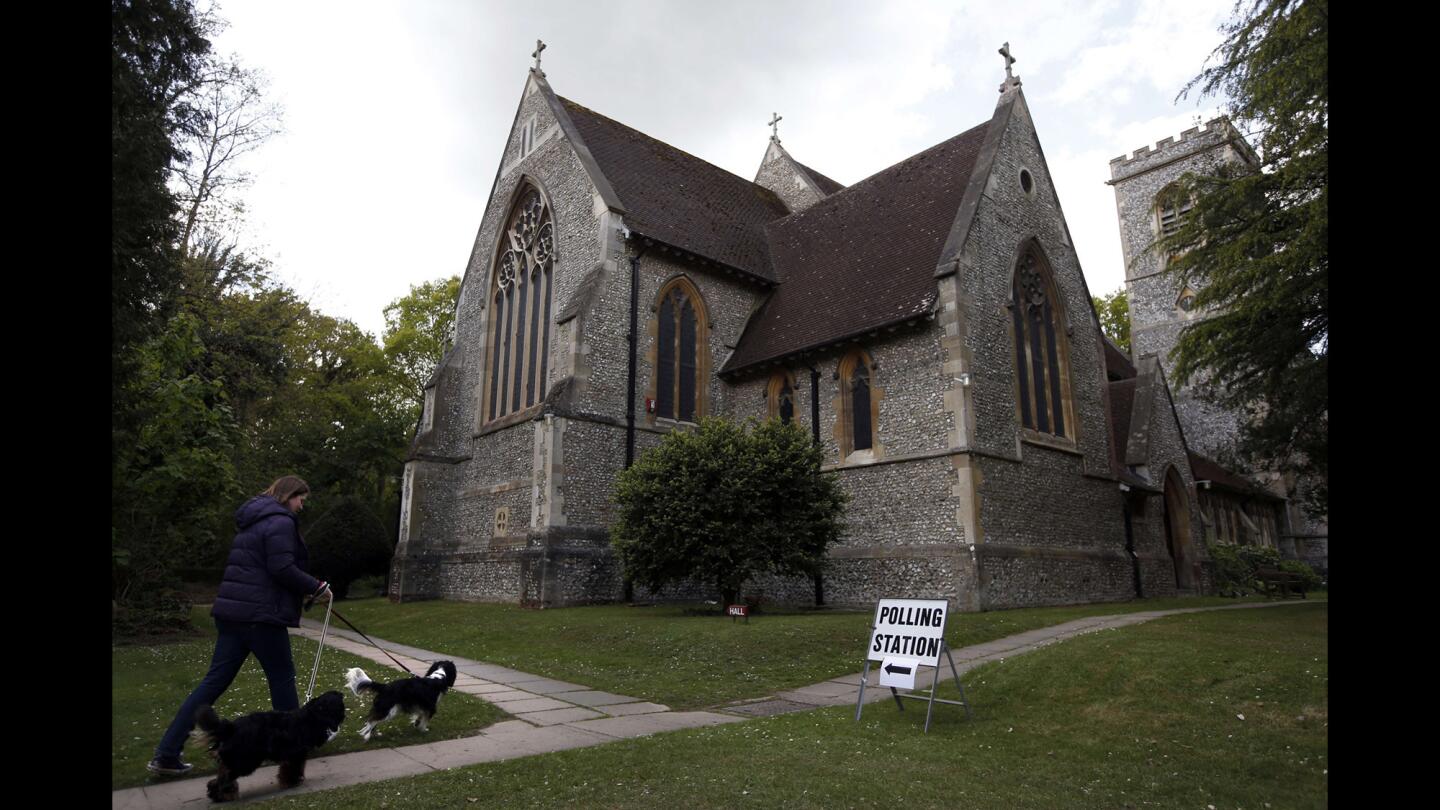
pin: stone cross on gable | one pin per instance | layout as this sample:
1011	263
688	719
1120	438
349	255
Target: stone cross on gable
539	46
1012	81
1009	60
775	120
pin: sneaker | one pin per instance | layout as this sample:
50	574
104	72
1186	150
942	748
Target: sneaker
162	766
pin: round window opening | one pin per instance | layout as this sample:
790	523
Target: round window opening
1026	181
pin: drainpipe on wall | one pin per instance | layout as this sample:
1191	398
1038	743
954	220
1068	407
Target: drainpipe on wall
1130	542
815	431
628	586
630	375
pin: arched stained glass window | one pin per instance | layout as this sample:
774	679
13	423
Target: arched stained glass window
680	352
1042	375
519	329
781	395
857	402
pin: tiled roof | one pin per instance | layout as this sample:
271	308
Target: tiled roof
1205	469
864	257
826	184
680	199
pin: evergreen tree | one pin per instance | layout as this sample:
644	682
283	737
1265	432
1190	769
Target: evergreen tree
157	54
1256	245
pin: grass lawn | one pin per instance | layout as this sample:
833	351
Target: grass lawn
681	656
148	683
1227	709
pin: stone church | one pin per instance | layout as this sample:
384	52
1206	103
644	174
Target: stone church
930	325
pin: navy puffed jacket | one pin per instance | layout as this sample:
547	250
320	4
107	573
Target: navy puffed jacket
265	577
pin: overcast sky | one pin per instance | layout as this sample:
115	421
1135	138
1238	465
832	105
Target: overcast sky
396	112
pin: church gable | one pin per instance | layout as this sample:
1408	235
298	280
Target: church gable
1027	309
863	258
797	184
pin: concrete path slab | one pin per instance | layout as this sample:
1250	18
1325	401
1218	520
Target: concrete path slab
481	688
830	689
505	696
547	739
547	686
494	672
592	697
557	716
641	725
627	709
534	704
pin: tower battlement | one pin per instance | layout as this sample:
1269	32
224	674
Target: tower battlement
1196	139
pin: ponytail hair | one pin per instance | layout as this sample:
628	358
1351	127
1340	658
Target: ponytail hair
287	487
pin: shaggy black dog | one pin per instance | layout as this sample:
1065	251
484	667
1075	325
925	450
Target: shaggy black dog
414	696
242	744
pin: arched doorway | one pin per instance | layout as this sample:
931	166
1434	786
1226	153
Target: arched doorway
1177	529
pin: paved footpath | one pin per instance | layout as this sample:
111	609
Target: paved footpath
551	715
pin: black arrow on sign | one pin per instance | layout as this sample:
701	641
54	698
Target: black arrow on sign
892	669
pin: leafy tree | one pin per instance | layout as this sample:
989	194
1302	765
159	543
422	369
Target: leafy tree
1114	313
721	504
173	484
417	331
1256	245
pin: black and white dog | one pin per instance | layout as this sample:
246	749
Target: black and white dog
243	744
414	696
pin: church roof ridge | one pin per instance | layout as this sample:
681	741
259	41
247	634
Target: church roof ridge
679	199
647	136
826	184
884	174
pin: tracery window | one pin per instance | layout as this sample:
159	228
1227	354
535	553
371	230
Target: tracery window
519	327
857	402
680	337
1042	370
781	395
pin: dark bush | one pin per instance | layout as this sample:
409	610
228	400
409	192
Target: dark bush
1312	579
1234	576
348	542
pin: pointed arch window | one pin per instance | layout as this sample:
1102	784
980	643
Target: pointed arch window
857	403
1041	352
680	352
519	328
781	395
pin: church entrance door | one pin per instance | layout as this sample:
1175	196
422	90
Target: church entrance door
1177	529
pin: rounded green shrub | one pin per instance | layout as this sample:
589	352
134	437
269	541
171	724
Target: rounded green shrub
348	542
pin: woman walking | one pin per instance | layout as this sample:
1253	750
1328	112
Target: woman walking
259	597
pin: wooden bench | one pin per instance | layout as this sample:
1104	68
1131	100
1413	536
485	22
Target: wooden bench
1272	579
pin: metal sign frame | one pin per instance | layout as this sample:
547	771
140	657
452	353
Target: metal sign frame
934	681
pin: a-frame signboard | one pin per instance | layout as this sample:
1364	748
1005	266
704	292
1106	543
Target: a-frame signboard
908	634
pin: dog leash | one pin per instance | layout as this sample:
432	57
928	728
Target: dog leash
367	638
324	630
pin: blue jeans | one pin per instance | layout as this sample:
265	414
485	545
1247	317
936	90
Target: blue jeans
235	642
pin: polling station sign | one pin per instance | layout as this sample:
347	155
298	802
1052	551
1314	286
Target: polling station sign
908	628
